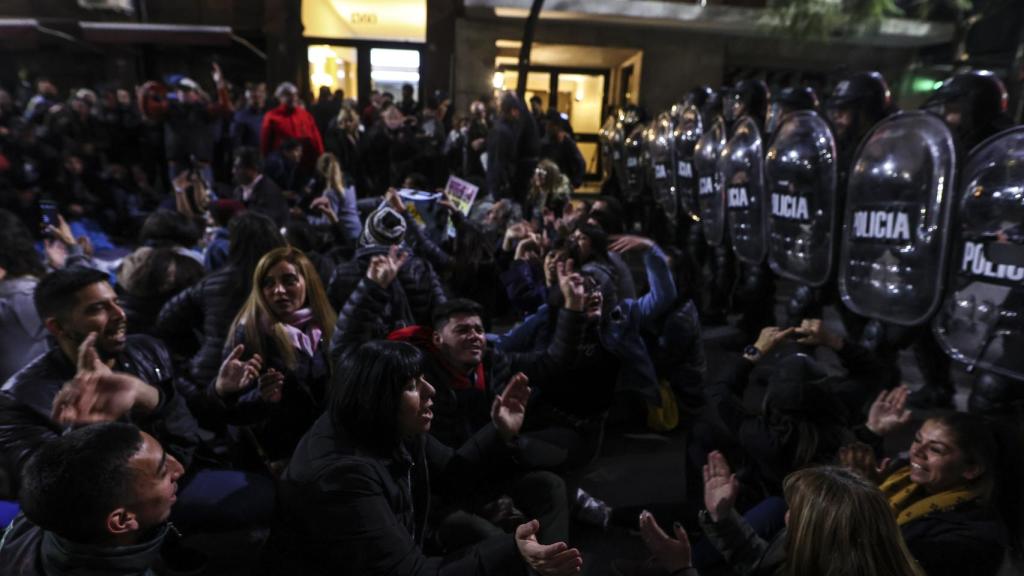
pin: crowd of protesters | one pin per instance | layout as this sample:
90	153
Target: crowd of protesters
218	312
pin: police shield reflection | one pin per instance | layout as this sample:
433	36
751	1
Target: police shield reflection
741	166
980	321
898	204
800	178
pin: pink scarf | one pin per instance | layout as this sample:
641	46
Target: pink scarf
303	333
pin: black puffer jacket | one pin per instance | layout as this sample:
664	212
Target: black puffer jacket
377	507
26	401
202	314
413	296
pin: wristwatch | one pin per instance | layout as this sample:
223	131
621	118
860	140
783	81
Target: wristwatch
752	353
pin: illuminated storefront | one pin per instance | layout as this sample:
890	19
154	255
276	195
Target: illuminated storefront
359	46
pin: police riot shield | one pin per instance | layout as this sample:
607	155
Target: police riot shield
981	320
800	178
634	166
658	143
687	128
710	201
741	166
606	137
898	204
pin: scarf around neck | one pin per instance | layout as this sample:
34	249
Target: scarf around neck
302	331
421	337
904	497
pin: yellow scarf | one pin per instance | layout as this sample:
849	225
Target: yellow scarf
900	491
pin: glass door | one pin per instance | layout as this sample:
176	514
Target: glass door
581	97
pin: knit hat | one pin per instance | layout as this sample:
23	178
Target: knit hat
383	226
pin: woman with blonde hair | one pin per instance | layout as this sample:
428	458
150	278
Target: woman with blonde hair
838	524
549	191
337	203
288	322
344	140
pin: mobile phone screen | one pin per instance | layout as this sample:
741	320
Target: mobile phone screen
49	213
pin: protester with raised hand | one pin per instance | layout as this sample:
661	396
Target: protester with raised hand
957	500
837	523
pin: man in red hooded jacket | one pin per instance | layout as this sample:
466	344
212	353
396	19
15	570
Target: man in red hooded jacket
290	120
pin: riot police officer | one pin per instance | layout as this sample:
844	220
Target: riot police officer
973	105
858	103
789	99
754	295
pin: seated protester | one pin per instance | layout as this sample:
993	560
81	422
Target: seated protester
957	501
675	346
418	291
335	206
22	334
95	500
284	167
196	322
462	367
119	376
286	322
162	266
80	310
549	192
837	523
527	279
370	458
802	421
612	358
470	270
588	245
148	278
218	235
258	193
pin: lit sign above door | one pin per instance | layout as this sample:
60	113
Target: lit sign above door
394	20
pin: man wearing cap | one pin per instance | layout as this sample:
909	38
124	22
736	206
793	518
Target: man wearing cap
191	124
291	121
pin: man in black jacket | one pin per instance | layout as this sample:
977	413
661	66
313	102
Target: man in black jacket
98	373
80	310
97	497
258	192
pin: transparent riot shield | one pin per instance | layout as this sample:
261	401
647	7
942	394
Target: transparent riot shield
803	217
896	219
687	129
981	320
634	166
658	145
710	200
741	166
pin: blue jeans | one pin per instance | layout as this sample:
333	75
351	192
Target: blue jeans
8	510
224	500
